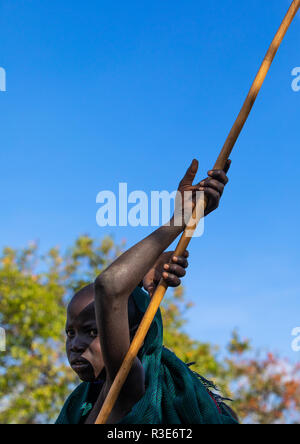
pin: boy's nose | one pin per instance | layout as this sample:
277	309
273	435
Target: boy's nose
78	346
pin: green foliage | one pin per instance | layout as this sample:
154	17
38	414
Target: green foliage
35	378
264	389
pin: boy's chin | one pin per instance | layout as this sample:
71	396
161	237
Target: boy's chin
85	371
87	375
87	378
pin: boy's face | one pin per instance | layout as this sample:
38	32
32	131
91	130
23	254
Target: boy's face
83	344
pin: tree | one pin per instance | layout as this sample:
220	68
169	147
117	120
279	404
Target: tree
264	389
35	378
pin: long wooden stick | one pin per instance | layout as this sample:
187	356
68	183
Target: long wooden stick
191	226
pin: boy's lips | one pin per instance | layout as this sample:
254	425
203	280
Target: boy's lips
79	363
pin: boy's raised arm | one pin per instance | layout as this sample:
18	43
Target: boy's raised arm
114	286
112	290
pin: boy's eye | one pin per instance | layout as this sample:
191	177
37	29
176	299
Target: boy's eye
70	333
94	333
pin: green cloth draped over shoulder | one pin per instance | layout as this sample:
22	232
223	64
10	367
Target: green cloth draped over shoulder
174	394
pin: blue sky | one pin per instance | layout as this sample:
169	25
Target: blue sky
105	92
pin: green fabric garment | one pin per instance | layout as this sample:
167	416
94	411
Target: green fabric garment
174	394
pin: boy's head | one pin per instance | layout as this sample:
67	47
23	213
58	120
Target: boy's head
83	342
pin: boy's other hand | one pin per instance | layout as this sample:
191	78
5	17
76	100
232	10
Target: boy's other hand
213	186
171	268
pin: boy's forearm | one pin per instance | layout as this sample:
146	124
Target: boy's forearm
124	275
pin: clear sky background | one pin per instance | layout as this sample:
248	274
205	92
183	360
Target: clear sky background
102	92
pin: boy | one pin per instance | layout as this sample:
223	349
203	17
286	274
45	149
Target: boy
103	318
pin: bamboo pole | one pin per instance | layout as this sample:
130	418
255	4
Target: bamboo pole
192	225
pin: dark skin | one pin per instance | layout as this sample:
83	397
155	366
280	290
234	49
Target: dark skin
83	343
147	262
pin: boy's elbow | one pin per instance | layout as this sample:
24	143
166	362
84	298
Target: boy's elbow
101	285
106	286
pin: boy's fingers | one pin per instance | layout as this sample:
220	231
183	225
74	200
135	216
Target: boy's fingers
167	256
219	175
213	197
180	260
171	279
212	194
189	176
213	183
177	270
